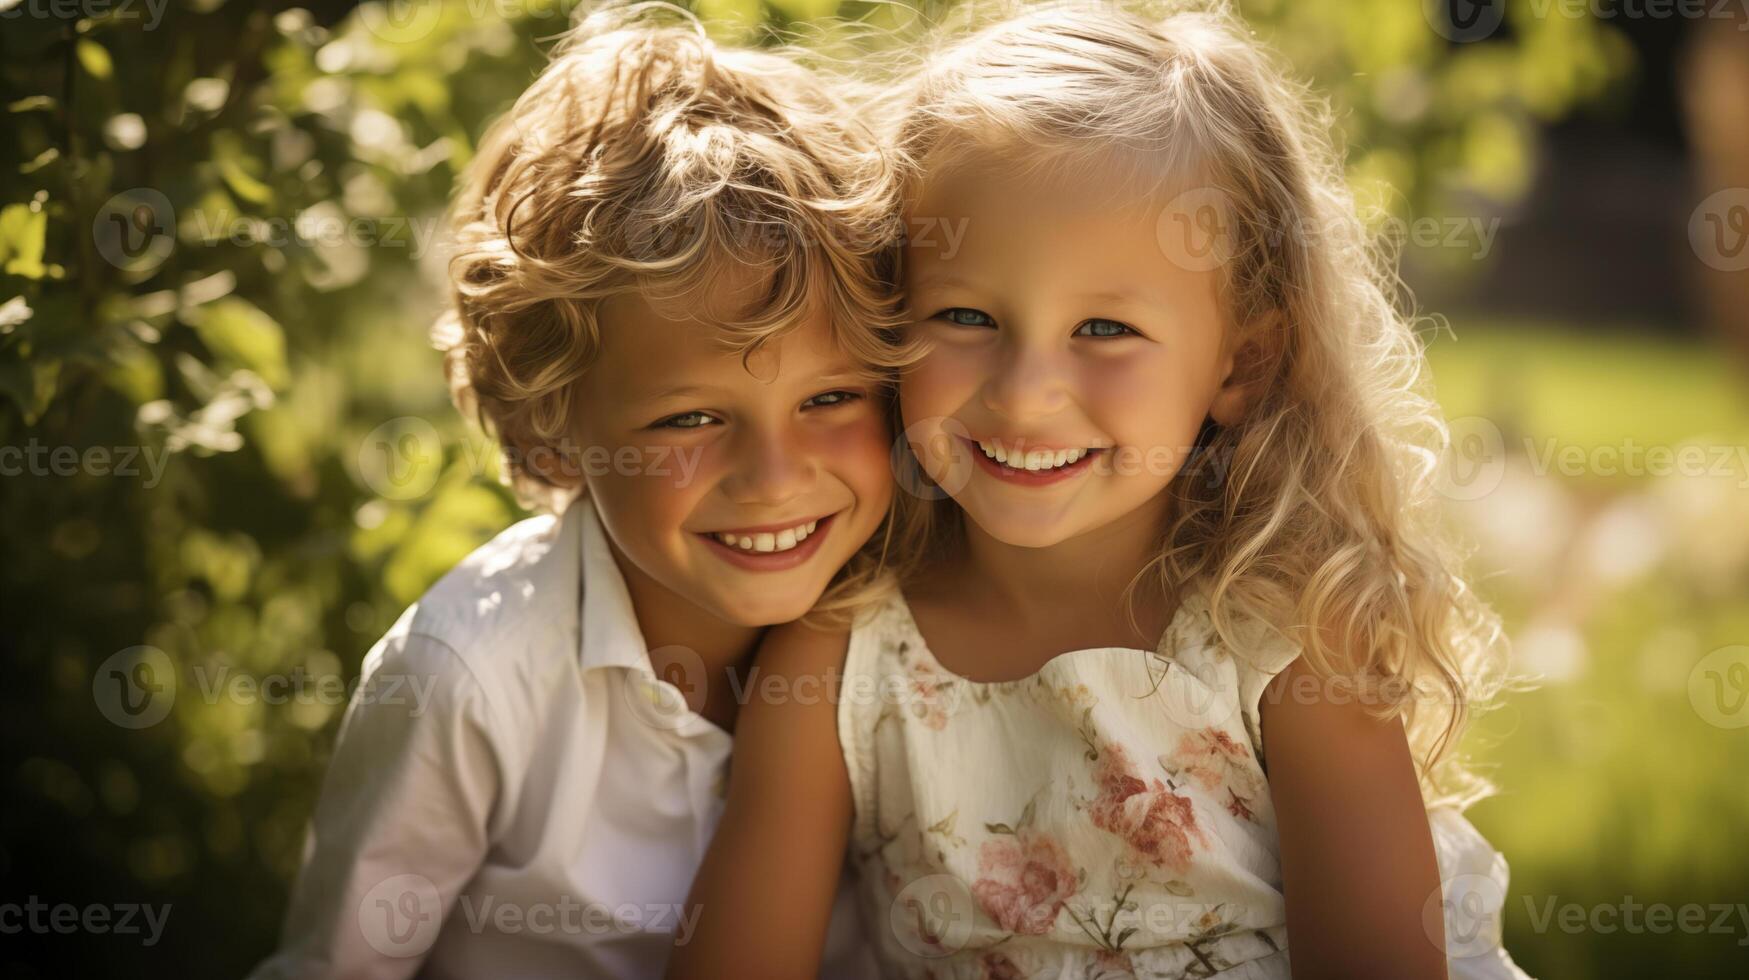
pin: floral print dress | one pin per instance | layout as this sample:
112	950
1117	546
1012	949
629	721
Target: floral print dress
1106	817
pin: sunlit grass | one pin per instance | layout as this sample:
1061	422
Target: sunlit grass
1615	789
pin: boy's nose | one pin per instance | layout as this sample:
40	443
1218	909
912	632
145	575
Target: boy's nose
772	469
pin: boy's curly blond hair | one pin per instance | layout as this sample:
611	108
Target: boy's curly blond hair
648	159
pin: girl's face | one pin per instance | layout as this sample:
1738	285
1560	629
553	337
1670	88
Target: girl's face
1072	361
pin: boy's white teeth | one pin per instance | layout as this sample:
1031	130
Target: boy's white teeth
769	541
1036	459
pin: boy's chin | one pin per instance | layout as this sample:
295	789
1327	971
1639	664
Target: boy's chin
758	603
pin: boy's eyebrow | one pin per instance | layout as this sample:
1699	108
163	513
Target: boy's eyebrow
674	391
847	373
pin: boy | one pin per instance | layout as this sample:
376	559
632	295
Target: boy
672	302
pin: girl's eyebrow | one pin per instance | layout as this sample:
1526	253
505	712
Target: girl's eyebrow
1121	296
944	280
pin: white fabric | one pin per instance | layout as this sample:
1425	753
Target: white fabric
1108	816
540	810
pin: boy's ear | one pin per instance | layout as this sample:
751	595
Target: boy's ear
1240	374
556	463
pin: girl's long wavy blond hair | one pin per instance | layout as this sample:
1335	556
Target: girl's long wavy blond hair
1319	512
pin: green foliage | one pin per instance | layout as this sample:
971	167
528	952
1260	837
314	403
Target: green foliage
216	259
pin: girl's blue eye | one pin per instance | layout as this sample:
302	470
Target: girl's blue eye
830	398
1102	328
965	317
686	420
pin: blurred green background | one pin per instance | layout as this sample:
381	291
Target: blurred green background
218	262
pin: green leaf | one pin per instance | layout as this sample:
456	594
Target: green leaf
94	58
31	385
238	330
22	232
998	828
238	169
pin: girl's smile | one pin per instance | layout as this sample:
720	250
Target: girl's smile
1023	464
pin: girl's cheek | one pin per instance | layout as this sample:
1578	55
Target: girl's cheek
1152	388
942	382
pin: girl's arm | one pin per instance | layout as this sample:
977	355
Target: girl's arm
1357	858
764	894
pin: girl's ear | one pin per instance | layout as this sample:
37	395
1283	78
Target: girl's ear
1241	371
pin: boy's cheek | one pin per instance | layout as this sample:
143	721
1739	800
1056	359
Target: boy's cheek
860	453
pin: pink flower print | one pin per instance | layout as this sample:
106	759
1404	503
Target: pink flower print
1206	756
1239	806
1215	759
1023	880
1158	824
927	701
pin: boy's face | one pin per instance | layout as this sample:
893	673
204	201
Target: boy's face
740	486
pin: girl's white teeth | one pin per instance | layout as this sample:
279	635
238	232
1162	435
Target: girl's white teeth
768	541
1037	459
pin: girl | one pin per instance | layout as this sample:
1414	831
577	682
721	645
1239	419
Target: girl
1178	652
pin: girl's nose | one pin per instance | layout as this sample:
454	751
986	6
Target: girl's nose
1030	382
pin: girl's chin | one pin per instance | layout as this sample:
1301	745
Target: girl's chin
1024	533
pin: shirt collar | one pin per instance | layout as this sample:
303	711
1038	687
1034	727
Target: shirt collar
610	633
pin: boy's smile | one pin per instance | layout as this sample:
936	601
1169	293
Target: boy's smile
786	454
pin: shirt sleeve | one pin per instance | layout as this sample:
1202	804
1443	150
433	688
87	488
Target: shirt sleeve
401	825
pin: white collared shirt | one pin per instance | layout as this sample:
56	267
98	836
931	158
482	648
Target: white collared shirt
513	794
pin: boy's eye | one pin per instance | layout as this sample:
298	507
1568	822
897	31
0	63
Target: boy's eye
965	317
686	420
1097	327
829	398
